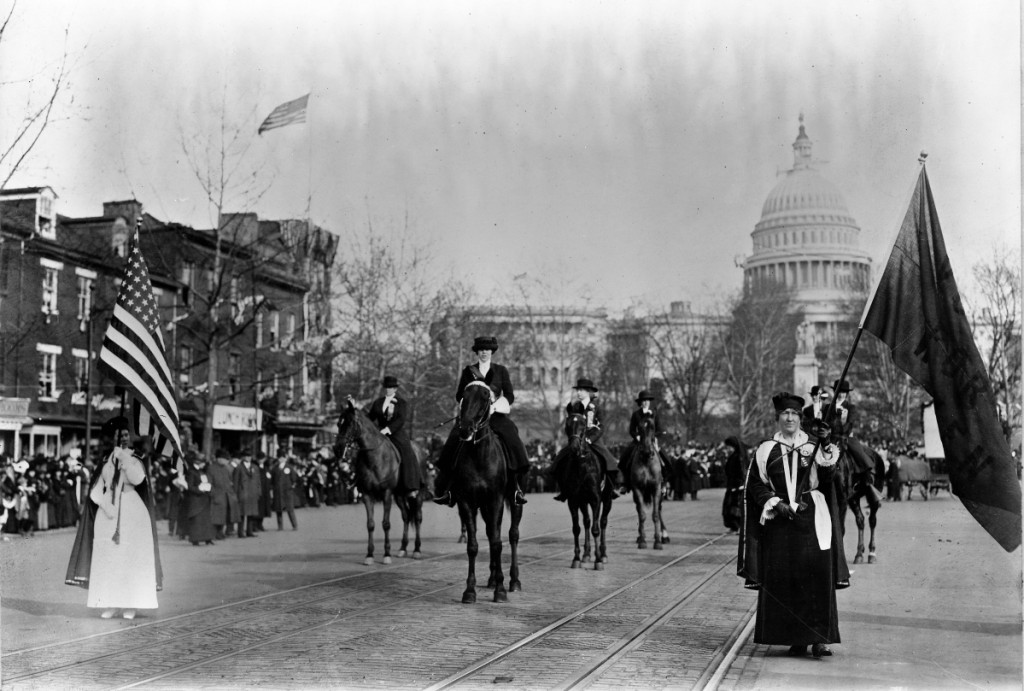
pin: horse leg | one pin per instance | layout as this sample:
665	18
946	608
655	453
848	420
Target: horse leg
872	522
641	518
385	523
368	504
606	507
516	515
595	531
493	524
417	514
586	511
574	511
403	509
472	548
462	535
656	519
858	516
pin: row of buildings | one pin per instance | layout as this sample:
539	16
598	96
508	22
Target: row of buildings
247	313
245	307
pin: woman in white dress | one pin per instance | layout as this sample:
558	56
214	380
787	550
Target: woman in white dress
124	566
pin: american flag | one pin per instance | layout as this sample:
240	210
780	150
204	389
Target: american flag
290	113
133	350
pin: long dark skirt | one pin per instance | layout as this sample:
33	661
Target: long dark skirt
200	523
732	508
796	604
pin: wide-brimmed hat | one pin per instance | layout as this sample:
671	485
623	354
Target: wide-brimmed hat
390	382
485	343
842	386
584	383
786	401
644	395
116	424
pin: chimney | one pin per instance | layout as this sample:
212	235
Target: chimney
129	210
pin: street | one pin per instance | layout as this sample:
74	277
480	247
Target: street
941	609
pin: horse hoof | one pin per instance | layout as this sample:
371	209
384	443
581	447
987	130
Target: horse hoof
575	564
598	566
859	559
514	586
604	560
641	545
872	559
657	545
400	554
386	560
460	541
469	597
417	555
500	596
586	558
368	561
665	538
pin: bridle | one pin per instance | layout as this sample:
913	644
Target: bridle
480	429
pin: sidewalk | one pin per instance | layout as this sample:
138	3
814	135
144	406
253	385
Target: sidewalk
940	609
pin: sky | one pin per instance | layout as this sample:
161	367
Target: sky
621	151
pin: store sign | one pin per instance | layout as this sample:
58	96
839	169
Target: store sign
14	407
237	418
286	417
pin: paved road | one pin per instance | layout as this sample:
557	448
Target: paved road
942	608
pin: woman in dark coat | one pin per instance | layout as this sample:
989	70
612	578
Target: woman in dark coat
389	413
786	550
247	477
735	474
200	523
283	480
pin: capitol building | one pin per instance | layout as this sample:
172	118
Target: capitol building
807	239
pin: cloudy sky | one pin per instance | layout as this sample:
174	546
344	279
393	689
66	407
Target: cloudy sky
625	147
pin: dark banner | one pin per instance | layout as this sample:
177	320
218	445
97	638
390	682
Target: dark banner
917	312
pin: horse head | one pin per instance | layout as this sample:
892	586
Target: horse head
348	428
576	429
474	410
648	436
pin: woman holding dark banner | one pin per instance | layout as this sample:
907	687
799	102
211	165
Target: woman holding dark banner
123	569
786	550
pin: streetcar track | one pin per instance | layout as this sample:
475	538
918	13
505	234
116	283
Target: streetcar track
508	650
270	613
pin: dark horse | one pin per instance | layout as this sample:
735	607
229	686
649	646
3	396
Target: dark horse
481	483
588	492
861	473
376	474
645	479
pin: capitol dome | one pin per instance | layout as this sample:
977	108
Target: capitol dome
808	240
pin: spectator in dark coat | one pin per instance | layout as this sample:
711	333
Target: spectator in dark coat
266	465
224	501
248	488
200	526
283	479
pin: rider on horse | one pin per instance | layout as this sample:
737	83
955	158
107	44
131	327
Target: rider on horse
586	405
644	410
841	422
497	378
389	413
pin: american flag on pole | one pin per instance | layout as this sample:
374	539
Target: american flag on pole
290	113
133	350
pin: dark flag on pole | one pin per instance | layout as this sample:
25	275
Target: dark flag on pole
290	113
916	310
133	349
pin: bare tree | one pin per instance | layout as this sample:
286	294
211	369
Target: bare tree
687	350
42	95
996	314
757	352
391	299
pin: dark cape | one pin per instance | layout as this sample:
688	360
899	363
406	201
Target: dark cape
80	563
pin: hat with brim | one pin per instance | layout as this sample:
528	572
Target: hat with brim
842	386
390	382
21	466
584	383
644	395
485	343
787	401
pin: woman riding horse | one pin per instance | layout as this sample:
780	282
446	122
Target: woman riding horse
481	480
389	414
644	410
587	491
496	377
586	405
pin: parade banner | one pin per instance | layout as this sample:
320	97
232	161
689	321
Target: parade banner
916	310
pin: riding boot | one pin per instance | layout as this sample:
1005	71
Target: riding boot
618	487
561	496
518	497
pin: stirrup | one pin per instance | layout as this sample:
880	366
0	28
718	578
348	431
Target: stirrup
445	499
519	498
559	497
